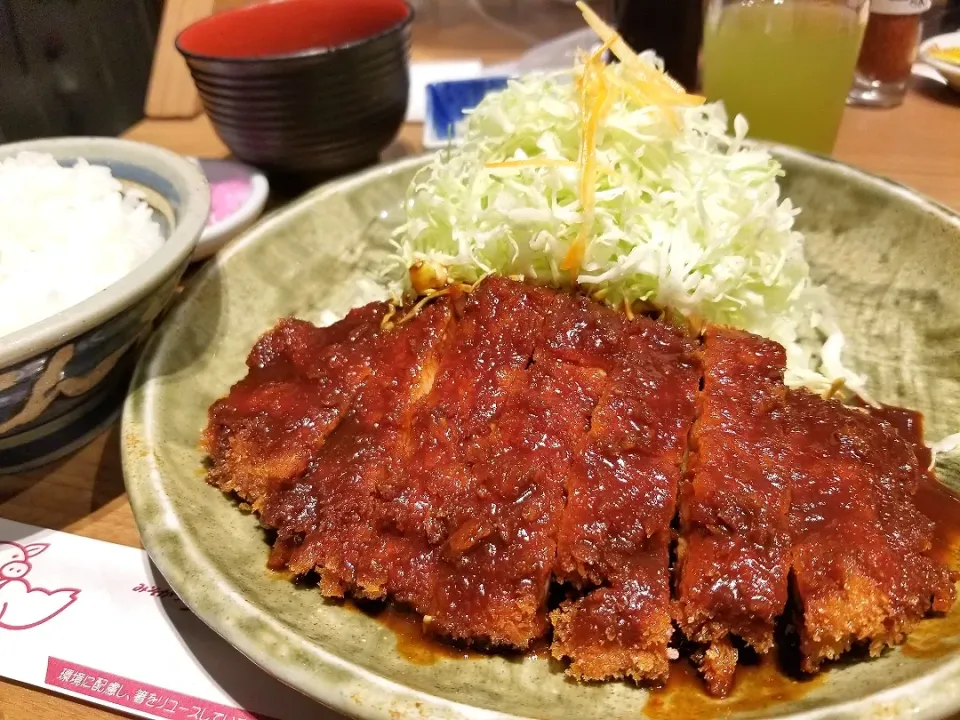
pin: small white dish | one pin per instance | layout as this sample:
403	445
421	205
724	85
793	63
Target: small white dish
950	71
220	231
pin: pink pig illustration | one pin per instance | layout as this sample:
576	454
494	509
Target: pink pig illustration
23	606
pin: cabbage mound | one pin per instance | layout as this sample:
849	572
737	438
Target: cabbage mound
601	179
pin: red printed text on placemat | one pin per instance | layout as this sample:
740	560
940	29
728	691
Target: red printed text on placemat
143	698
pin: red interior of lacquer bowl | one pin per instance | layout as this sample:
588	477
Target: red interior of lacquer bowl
291	26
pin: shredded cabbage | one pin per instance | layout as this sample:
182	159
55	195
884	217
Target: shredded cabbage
680	214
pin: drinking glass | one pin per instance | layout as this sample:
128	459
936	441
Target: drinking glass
888	52
785	65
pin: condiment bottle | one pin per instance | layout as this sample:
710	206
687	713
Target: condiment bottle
888	51
671	28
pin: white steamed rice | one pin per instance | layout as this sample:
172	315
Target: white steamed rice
66	233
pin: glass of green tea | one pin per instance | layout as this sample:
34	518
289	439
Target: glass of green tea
785	65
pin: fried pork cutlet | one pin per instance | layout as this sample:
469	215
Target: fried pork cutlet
733	554
492	442
497	501
621	497
324	515
859	544
450	516
301	379
452	506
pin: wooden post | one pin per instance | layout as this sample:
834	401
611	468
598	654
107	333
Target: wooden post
171	93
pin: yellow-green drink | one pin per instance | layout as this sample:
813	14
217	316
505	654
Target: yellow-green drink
785	66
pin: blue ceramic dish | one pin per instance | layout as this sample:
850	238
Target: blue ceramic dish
63	380
447	104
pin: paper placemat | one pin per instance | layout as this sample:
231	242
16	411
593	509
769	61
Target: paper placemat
94	620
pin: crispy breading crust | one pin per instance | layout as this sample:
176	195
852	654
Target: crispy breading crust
459	456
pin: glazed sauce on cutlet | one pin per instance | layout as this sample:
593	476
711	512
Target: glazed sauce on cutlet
413	644
909	423
937	636
933	499
757	687
942	506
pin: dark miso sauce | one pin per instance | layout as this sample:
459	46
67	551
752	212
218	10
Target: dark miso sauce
413	643
759	684
939	635
933	498
942	506
757	687
909	423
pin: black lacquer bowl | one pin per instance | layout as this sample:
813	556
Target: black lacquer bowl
310	87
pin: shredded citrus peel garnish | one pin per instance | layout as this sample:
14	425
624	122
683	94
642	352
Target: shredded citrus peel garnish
594	101
648	77
835	387
430	296
385	323
650	86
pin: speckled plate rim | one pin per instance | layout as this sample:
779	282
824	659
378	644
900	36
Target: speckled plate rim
369	695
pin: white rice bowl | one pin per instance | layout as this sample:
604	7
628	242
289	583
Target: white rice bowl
66	233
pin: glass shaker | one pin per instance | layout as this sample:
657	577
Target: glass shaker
887	53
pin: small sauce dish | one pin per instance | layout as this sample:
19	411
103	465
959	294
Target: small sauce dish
949	70
238	194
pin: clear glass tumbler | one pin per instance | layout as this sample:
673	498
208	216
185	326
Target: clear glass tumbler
785	65
888	52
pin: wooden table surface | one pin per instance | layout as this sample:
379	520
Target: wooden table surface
917	144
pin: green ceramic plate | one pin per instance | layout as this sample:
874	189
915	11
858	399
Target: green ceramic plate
891	259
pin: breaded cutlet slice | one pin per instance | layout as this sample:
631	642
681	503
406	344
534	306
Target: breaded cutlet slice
621	498
860	562
300	381
491	586
623	628
453	508
513	417
324	517
733	554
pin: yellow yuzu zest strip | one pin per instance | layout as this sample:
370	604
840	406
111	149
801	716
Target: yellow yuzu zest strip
649	87
646	72
592	110
597	55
